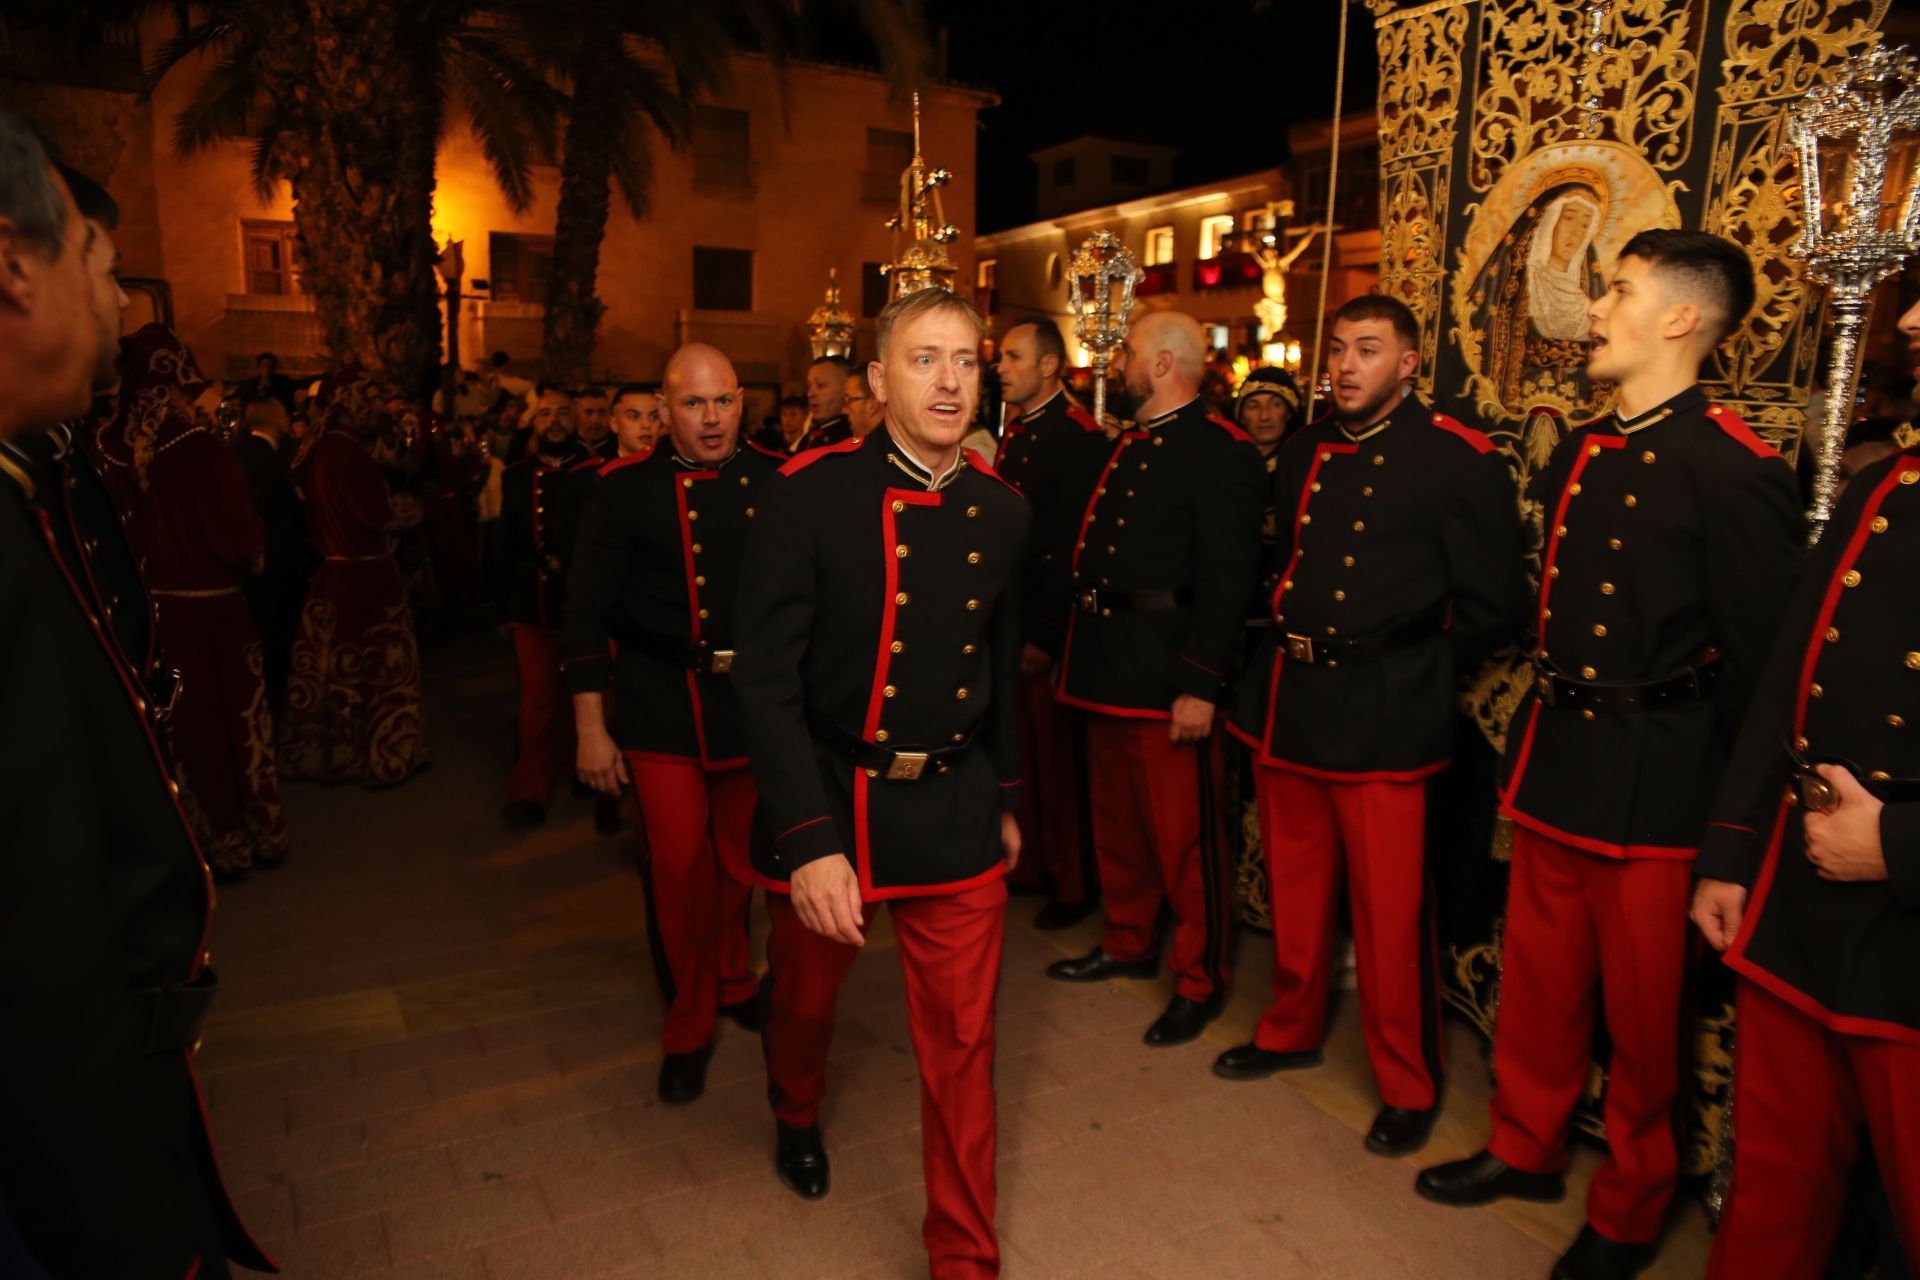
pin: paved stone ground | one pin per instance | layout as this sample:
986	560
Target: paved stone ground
435	1052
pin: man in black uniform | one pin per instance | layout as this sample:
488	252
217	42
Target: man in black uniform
107	1168
1810	882
1672	533
826	393
1398	569
879	681
535	501
650	604
1045	432
1160	549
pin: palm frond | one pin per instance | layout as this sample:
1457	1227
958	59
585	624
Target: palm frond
507	115
223	105
898	31
209	35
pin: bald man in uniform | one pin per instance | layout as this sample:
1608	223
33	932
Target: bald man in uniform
650	614
1159	559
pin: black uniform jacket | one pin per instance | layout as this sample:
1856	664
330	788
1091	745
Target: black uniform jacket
652	586
885	603
1670	544
827	431
1843	684
536	518
1170	508
1407	533
106	1166
1035	458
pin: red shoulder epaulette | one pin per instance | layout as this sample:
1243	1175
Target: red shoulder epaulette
617	463
1478	439
1231	428
1084	417
979	464
1736	427
757	447
800	461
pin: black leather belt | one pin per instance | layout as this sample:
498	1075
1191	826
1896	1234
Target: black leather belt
896	764
1312	651
174	1014
1816	795
701	657
1142	600
1690	685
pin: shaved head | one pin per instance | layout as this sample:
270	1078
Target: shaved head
1176	334
701	402
1160	365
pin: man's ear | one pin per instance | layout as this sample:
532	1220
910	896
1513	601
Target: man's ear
1409	363
1682	321
18	264
877	379
1049	366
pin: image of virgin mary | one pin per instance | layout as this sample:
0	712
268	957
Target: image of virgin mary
1535	290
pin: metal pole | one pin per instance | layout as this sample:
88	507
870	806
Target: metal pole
1850	308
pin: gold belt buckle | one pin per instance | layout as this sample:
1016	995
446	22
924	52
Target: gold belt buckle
1817	795
907	766
1300	648
720	661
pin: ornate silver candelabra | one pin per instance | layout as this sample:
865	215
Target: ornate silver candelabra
1100	282
1859	141
830	327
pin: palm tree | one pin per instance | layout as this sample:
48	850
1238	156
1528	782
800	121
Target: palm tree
346	100
623	100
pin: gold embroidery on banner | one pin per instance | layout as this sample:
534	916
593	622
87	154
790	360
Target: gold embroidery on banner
353	711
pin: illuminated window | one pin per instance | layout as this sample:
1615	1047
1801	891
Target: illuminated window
983	274
1159	246
1213	234
272	256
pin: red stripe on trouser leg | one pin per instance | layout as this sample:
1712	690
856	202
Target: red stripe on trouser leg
950	953
1576	920
1309	828
1147	815
701	884
544	720
807	970
1049	794
1799	1112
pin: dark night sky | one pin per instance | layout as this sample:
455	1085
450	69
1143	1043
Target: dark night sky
1219	80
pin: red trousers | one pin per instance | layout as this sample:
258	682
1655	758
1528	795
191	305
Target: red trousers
950	953
1050	794
699	882
545	717
1161	837
1802	1096
1580	924
1308	828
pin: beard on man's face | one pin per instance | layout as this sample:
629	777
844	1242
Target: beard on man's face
1370	408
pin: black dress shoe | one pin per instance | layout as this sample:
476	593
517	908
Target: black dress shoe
683	1076
1063	915
1098	966
1183	1020
1594	1257
606	815
801	1159
750	1014
1399	1131
1251	1062
1483	1178
522	813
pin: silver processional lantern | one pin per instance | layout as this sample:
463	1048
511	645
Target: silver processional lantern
1858	136
1100	283
830	327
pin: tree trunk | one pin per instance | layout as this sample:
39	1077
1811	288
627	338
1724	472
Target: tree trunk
359	153
573	308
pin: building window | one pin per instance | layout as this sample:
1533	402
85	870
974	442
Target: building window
720	146
1063	172
1213	234
1128	171
983	273
722	279
1159	246
273	259
521	265
873	289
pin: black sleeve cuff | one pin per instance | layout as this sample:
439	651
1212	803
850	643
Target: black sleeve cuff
1900	846
806	842
1729	853
1198	681
589	673
1010	796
